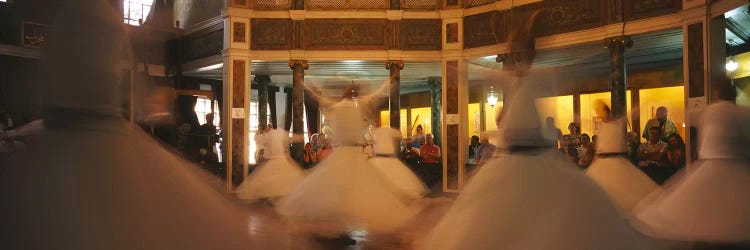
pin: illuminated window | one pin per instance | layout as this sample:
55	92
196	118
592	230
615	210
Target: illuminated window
203	107
136	10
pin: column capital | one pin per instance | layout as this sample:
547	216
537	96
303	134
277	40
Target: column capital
618	42
302	63
262	79
397	63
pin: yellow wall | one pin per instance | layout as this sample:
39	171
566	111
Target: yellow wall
743	95
425	116
743	69
490	115
588	114
673	98
474	112
558	107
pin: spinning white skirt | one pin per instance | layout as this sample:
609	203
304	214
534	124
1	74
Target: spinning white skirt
533	201
710	204
273	179
625	184
345	192
407	184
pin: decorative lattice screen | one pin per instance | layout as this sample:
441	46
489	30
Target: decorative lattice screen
420	4
272	4
346	4
475	3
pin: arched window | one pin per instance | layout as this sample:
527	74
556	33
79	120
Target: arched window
136	10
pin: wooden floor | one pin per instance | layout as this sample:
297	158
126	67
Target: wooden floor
267	228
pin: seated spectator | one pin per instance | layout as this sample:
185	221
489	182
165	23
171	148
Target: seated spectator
634	142
430	167
652	152
675	151
418	139
485	151
575	134
472	149
585	151
410	155
325	148
568	149
665	125
311	154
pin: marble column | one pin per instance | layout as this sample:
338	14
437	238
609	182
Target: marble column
236	100
298	96
617	75
288	109
263	81
436	100
394	102
272	90
455	95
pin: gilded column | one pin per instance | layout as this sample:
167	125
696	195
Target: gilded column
298	96
617	75
263	81
394	103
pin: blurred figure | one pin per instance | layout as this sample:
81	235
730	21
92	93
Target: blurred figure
675	151
665	125
550	130
418	139
407	185
530	198
325	148
410	155
276	176
651	156
624	182
485	151
93	180
634	142
585	152
575	134
260	144
710	203
345	192
473	146
311	152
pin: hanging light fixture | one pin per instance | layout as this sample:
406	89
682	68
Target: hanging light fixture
731	64
492	96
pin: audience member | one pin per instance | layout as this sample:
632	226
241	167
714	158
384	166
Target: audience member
651	156
418	139
311	154
325	147
575	134
472	148
551	132
485	151
260	143
585	151
410	155
430	167
665	125
634	142
675	151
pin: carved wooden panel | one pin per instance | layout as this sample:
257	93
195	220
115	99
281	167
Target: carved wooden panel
451	87
240	3
238	31
202	44
475	3
271	34
451	3
451	33
638	9
560	16
345	34
347	4
238	83
421	34
420	4
484	29
272	4
452	162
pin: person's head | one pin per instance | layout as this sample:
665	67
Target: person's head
420	130
474	140
594	138
574	128
661	113
675	141
654	133
269	127
406	143
485	139
575	141
585	139
550	122
564	140
428	139
262	128
633	137
210	118
314	138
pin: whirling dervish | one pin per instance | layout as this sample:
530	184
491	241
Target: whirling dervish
625	184
92	180
529	197
408	185
709	203
344	192
275	177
